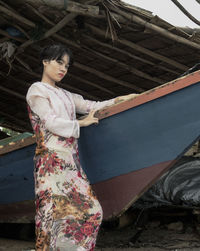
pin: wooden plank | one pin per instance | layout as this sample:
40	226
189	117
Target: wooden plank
12	146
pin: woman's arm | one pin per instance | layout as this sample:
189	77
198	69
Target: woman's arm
84	106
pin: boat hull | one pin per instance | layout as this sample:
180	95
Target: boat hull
132	146
128	151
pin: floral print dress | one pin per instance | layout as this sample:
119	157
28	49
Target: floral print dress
68	214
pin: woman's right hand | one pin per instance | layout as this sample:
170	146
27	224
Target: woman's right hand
88	120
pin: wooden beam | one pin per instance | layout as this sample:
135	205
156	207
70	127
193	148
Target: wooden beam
99	74
139	48
123	83
58	37
16	16
108	77
65	86
14	79
6	34
157	29
23	63
32	73
129	68
131	55
60	25
127	15
21	29
82	80
53	30
77	90
31	24
12	93
6	5
95	72
47	20
71	6
19	121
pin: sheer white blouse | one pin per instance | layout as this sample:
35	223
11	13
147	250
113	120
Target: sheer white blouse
57	108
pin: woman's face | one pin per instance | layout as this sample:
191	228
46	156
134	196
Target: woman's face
55	70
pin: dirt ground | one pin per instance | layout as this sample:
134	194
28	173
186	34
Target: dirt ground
151	230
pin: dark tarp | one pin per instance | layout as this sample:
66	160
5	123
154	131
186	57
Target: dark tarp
179	186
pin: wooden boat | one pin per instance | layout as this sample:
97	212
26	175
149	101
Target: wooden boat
134	144
16	179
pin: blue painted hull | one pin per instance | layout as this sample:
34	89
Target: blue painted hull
152	133
126	152
16	175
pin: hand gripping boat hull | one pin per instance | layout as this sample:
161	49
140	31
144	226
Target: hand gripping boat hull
134	143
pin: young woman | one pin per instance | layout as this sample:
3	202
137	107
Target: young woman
68	214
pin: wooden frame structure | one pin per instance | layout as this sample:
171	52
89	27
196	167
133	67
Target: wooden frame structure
118	49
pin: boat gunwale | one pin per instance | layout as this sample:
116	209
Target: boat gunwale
142	98
12	146
155	93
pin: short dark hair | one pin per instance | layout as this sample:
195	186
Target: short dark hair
56	52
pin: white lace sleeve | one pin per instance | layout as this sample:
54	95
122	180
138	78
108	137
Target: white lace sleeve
39	103
84	106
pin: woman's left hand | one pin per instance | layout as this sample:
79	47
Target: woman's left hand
125	98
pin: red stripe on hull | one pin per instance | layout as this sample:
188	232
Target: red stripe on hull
117	194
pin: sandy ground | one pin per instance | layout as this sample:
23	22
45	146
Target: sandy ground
16	245
175	231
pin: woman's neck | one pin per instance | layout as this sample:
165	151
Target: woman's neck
48	81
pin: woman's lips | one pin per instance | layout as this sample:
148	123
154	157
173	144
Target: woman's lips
61	75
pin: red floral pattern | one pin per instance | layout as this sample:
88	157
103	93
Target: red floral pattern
67	211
